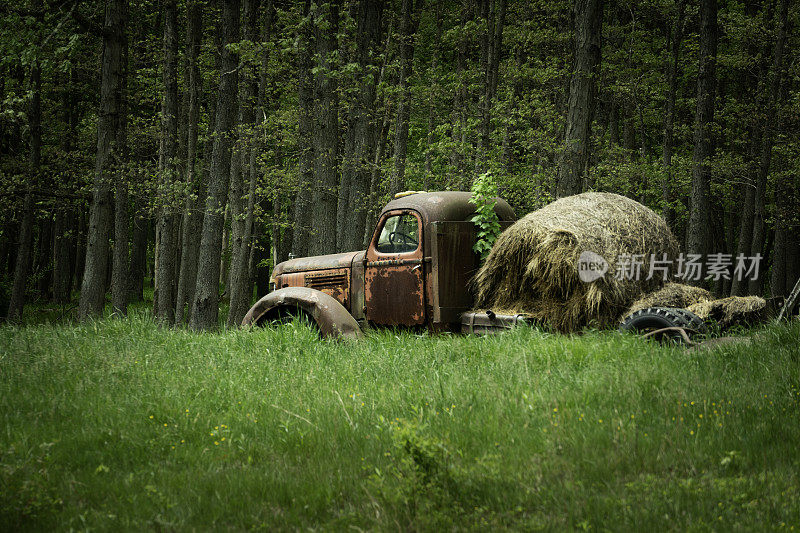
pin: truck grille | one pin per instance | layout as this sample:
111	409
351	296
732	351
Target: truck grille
326	281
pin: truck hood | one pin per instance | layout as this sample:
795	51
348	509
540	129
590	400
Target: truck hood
318	262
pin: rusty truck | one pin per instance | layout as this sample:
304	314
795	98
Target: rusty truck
414	273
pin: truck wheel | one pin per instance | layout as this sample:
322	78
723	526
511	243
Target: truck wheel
655	318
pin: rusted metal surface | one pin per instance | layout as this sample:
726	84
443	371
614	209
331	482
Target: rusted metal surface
454	263
487	323
330	316
445	205
357	286
393	285
334	282
319	262
429	284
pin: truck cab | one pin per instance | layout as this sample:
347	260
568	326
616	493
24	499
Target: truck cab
415	271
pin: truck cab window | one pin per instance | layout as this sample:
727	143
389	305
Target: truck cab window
400	234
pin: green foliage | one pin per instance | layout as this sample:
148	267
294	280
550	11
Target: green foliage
122	424
484	197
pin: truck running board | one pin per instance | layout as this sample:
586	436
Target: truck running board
488	322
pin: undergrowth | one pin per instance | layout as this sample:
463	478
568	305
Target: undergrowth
123	424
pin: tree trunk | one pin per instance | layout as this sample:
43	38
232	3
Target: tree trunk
239	285
23	262
17	302
793	260
744	242
756	286
261	114
192	215
138	257
326	132
493	41
43	256
65	228
669	111
459	115
164	298
120	270
205	308
92	298
697	238
61	256
80	246
433	93
408	30
301	238
778	281
354	191
582	91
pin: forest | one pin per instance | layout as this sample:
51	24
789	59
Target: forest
192	145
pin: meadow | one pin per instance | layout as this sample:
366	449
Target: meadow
124	425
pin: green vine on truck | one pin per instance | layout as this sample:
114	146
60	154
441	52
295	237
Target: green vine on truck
484	197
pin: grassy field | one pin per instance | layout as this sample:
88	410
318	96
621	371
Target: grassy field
120	424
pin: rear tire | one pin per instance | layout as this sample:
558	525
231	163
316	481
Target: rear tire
655	318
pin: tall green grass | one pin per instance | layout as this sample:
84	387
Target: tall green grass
123	424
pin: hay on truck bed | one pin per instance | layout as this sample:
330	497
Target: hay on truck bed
533	267
733	311
671	295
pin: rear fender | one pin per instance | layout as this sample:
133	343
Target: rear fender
329	315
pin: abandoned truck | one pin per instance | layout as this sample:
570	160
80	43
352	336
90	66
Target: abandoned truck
415	272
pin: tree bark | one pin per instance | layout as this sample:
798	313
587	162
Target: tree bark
65	226
192	215
745	236
61	257
164	298
301	237
242	205
408	31
669	111
17	300
697	238
354	190
138	257
493	38
92	298
43	256
326	132
80	245
205	308
120	270
756	286
778	272
582	92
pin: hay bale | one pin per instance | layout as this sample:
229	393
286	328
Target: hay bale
732	311
533	267
671	295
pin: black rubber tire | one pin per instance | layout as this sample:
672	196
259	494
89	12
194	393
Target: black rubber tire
653	318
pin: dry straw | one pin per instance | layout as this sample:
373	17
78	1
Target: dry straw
734	310
671	295
533	267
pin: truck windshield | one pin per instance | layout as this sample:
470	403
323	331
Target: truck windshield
400	234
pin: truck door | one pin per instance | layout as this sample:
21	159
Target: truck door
394	273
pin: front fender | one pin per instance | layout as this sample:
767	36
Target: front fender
330	316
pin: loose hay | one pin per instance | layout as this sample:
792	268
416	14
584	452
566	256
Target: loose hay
671	295
532	268
735	310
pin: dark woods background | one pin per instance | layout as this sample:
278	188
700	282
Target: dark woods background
193	144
